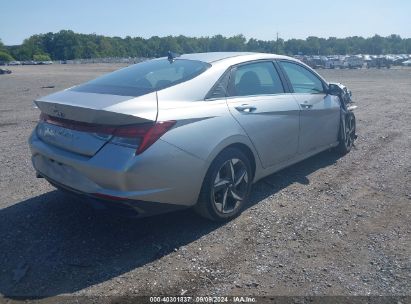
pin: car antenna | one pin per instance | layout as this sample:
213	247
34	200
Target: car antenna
171	56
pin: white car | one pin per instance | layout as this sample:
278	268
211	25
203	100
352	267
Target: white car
14	63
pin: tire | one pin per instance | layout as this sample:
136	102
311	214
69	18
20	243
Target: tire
226	187
347	134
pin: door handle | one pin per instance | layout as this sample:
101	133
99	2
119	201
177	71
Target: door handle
246	108
306	106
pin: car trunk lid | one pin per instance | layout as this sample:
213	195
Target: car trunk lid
84	122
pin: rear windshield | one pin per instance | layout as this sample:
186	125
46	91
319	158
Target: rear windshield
144	77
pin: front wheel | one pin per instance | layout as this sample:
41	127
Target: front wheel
226	187
347	134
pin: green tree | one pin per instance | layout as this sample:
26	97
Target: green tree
41	57
5	56
235	44
407	45
294	46
217	43
169	43
377	45
69	45
312	45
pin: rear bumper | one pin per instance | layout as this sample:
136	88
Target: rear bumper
162	174
122	207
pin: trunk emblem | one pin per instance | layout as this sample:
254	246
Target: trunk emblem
58	113
55	132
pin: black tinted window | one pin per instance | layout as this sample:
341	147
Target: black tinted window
256	79
145	77
219	90
302	80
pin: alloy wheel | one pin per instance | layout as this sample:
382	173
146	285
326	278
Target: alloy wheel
349	131
230	185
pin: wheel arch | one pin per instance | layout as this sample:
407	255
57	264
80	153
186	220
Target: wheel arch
241	143
205	205
247	151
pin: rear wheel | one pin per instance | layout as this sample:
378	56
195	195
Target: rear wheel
347	134
226	187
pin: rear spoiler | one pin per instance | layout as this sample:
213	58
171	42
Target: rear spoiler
101	109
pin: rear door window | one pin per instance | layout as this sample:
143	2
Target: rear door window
259	78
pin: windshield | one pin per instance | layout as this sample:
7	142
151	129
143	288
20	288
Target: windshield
145	77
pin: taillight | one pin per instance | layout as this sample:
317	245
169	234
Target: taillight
141	136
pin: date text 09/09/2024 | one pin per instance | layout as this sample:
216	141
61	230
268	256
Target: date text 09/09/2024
202	299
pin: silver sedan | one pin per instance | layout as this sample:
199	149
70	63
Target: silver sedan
194	130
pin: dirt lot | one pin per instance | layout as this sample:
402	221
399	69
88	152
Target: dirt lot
326	226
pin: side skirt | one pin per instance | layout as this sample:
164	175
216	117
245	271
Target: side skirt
299	157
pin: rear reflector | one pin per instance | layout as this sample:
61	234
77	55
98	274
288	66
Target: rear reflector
140	136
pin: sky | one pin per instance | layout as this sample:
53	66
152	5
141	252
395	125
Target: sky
260	19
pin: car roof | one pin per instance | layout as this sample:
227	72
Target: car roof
239	56
212	56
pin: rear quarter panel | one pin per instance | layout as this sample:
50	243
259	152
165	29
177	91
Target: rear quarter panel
203	129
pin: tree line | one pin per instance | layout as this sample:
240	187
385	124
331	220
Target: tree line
66	45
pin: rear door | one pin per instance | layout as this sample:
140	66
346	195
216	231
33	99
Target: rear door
320	112
269	116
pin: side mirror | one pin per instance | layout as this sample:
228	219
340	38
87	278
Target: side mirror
337	89
334	89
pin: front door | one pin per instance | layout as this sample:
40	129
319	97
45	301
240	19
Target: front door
320	112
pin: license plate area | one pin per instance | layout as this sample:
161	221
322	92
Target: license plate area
75	141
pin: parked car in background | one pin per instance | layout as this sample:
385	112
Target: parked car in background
407	63
29	62
334	63
379	62
4	71
190	131
14	63
353	62
316	62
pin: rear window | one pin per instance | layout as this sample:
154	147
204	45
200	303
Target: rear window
145	77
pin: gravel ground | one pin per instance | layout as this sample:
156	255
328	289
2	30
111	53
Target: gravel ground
327	226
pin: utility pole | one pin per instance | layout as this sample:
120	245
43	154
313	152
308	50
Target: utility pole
276	44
